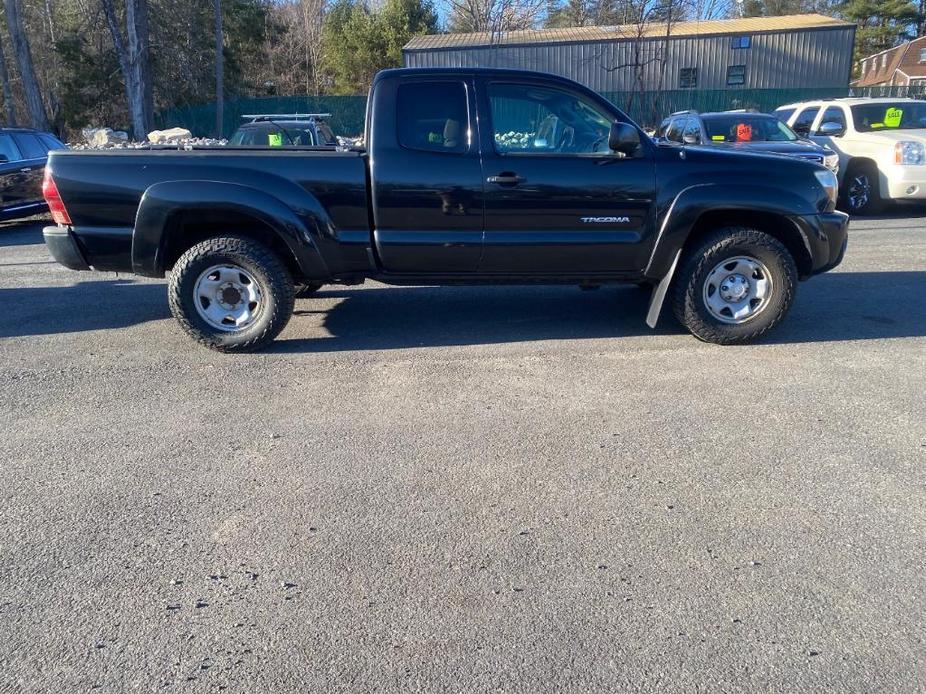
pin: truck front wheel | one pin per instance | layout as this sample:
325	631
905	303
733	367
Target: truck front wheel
231	294
734	285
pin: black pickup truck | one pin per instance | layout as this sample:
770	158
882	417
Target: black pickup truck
469	176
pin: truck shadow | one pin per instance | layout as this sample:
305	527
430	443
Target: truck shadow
95	305
831	307
21	233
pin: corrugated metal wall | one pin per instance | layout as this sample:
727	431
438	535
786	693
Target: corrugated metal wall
775	60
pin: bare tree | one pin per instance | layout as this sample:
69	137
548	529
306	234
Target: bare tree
219	71
294	53
134	61
495	16
8	103
136	25
645	52
20	42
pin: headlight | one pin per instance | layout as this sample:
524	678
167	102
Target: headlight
831	161
827	179
907	152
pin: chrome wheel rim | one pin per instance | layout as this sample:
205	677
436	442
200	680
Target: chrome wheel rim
737	289
227	297
859	191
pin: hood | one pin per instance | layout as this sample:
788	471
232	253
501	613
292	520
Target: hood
799	147
892	136
729	156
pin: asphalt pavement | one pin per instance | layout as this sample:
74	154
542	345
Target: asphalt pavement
518	489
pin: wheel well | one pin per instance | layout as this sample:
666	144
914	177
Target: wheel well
186	229
856	162
776	226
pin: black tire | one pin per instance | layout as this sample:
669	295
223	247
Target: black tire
304	291
859	177
271	275
688	302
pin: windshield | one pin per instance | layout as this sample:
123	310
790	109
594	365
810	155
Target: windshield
900	115
738	127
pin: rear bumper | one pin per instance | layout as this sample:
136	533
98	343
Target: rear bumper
63	247
82	248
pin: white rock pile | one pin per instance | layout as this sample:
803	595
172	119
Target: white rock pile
107	138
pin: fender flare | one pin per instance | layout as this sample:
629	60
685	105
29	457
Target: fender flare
697	199
687	208
161	202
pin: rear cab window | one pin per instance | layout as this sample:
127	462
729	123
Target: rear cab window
433	116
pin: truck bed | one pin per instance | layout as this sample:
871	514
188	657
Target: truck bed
102	191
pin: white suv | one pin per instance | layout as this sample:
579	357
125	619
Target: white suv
881	145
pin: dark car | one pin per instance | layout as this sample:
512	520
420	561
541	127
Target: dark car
285	130
23	153
754	132
467	176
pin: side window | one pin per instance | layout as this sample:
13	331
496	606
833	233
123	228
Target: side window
30	146
51	142
692	133
675	129
687	77
783	114
736	74
432	116
9	149
804	120
663	129
540	120
834	114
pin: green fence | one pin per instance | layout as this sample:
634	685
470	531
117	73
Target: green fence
648	108
347	113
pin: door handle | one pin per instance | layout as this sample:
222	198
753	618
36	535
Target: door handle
505	178
28	168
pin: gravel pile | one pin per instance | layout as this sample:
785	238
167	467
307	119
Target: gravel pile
180	144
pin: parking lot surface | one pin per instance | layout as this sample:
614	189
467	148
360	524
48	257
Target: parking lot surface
515	489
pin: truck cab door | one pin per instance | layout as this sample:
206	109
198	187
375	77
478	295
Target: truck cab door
426	178
558	201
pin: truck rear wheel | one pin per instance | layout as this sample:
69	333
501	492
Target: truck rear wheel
735	285
231	294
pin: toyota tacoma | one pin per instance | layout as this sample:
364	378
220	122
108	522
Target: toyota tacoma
466	176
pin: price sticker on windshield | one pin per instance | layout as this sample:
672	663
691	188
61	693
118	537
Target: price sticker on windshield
892	117
275	139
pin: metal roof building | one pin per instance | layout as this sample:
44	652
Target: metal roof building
755	53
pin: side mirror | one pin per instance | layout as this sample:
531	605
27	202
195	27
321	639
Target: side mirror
690	139
623	138
831	129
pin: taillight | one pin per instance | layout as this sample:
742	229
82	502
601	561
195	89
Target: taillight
53	198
